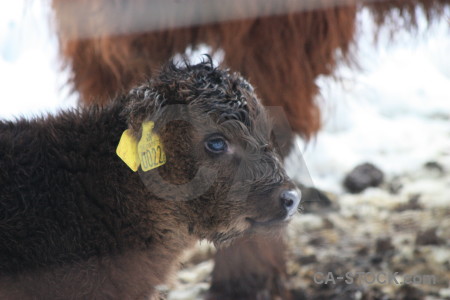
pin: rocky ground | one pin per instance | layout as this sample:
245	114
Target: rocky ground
399	229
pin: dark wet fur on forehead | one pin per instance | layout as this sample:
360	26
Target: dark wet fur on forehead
222	95
213	101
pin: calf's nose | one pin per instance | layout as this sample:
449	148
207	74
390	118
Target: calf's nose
290	199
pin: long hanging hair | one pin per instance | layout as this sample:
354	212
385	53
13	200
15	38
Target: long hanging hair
110	45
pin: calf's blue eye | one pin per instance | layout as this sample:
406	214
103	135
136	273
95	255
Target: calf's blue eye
216	145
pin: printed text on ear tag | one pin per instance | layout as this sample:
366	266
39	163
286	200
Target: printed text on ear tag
127	150
150	149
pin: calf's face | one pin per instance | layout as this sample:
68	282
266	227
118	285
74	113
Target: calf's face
223	173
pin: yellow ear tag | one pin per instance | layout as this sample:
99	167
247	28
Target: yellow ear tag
150	149
127	150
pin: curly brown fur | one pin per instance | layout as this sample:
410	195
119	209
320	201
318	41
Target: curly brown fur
77	223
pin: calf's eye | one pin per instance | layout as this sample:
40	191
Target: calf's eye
216	145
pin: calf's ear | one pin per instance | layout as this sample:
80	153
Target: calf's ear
148	152
140	105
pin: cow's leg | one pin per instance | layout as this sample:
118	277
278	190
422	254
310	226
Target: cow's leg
251	268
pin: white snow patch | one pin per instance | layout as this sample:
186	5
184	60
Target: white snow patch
395	113
31	81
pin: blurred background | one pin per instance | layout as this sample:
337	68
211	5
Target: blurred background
392	111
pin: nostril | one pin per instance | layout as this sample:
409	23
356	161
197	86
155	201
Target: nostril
288	203
290	199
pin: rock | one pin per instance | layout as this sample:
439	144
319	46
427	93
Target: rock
413	204
428	237
363	176
363	251
317	241
408	292
376	259
435	167
299	294
327	223
395	186
308	259
383	245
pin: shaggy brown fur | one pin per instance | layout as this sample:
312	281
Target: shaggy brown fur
104	65
278	53
77	223
401	14
282	55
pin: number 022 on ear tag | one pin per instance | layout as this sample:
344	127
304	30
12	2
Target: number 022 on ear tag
148	153
150	150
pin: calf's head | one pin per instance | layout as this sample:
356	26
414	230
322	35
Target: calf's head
222	172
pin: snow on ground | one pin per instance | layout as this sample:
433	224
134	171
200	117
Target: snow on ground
30	79
395	113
